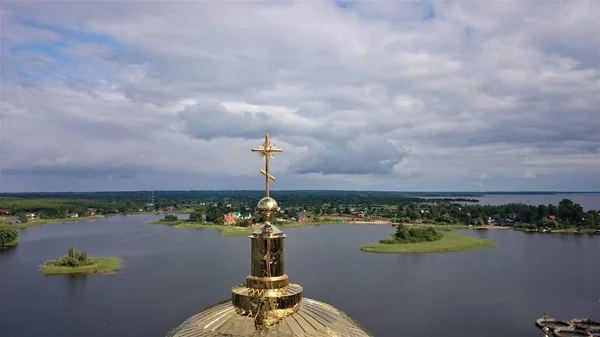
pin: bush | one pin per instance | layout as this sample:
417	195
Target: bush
8	234
73	259
413	235
170	217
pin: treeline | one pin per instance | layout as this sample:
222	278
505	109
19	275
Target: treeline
566	214
210	206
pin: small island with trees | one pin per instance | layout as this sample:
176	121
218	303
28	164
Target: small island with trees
9	236
76	262
419	239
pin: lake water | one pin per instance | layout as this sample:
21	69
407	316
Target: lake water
586	200
171	274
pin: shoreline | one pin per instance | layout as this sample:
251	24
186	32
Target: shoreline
41	222
10	244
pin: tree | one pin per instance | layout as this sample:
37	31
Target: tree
591	218
83	257
570	213
73	252
543	211
170	217
8	234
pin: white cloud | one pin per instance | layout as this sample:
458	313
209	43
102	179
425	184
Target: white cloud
527	174
377	95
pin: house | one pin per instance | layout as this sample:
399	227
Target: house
73	215
4	212
90	212
169	208
247	215
552	217
228	218
30	216
236	215
301	216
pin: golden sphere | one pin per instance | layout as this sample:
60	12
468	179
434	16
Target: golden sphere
267	204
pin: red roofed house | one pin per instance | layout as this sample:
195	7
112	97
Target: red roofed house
169	208
552	217
4	212
228	218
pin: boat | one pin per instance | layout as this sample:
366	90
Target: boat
587	324
571	331
551	323
577	327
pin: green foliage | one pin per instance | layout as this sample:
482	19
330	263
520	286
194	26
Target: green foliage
8	235
413	235
196	216
22	218
73	259
170	217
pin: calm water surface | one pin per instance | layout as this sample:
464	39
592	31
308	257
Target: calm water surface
171	274
586	200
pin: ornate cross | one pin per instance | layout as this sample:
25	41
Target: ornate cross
266	150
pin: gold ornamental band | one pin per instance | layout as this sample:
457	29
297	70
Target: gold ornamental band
266	299
267	282
253	304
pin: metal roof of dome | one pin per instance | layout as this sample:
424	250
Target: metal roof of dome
314	318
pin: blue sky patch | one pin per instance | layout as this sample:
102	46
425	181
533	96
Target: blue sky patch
21	61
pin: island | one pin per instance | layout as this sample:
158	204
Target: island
420	239
9	236
79	263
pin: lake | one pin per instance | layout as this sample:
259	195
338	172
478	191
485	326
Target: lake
171	274
586	200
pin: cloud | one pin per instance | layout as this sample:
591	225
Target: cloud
527	174
369	95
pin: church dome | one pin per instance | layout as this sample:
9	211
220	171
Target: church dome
267	304
314	318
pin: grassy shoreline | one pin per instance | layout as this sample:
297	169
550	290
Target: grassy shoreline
10	244
102	265
41	222
451	242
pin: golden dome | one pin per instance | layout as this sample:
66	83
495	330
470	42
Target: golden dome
267	204
268	304
314	318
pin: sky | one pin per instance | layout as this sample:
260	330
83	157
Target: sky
361	95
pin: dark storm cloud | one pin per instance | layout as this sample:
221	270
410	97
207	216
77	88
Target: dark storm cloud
112	172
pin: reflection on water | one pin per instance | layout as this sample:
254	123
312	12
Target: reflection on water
171	273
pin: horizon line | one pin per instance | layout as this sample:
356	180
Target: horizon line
301	190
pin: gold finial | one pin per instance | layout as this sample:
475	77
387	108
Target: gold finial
266	150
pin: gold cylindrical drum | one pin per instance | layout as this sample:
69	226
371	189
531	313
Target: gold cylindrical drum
267	257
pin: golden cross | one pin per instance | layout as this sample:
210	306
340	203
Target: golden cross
265	150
